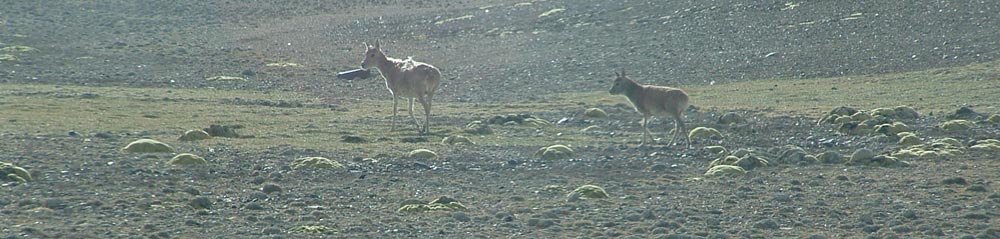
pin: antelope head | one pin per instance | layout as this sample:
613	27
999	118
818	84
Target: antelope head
373	55
622	83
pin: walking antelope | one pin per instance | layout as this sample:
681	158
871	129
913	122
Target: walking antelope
651	100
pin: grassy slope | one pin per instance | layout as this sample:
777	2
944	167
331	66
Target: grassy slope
166	113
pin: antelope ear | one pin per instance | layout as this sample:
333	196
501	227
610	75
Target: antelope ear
617	75
377	43
623	72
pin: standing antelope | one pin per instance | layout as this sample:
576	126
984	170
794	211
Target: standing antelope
405	78
651	100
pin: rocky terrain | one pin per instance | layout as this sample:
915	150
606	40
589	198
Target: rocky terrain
259	140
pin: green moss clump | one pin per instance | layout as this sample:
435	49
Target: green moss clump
886	112
704	132
187	159
725	160
589	129
892	129
587	192
957	125
880	161
8	58
595	113
11	173
843	110
905	154
457	139
724	170
948	142
192	135
316	162
422	154
311	229
478	127
553	152
830	157
18	49
843	119
987	145
994	118
860	116
225	78
731	118
910	139
147	146
442	203
537	122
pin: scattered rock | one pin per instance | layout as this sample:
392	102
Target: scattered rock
11	173
731	118
768	224
478	127
147	146
964	113
955	180
715	149
795	154
225	131
316	162
504	119
595	113
353	139
270	188
862	155
225	78
422	154
196	134
586	192
457	139
704	132
310	229
187	159
414	140
906	112
201	202
843	110
554	152
868	158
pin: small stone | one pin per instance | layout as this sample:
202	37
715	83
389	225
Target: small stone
270	188
201	203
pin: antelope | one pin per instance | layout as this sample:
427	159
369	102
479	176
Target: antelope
405	78
651	100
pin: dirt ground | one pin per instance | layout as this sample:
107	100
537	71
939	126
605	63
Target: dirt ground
497	52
